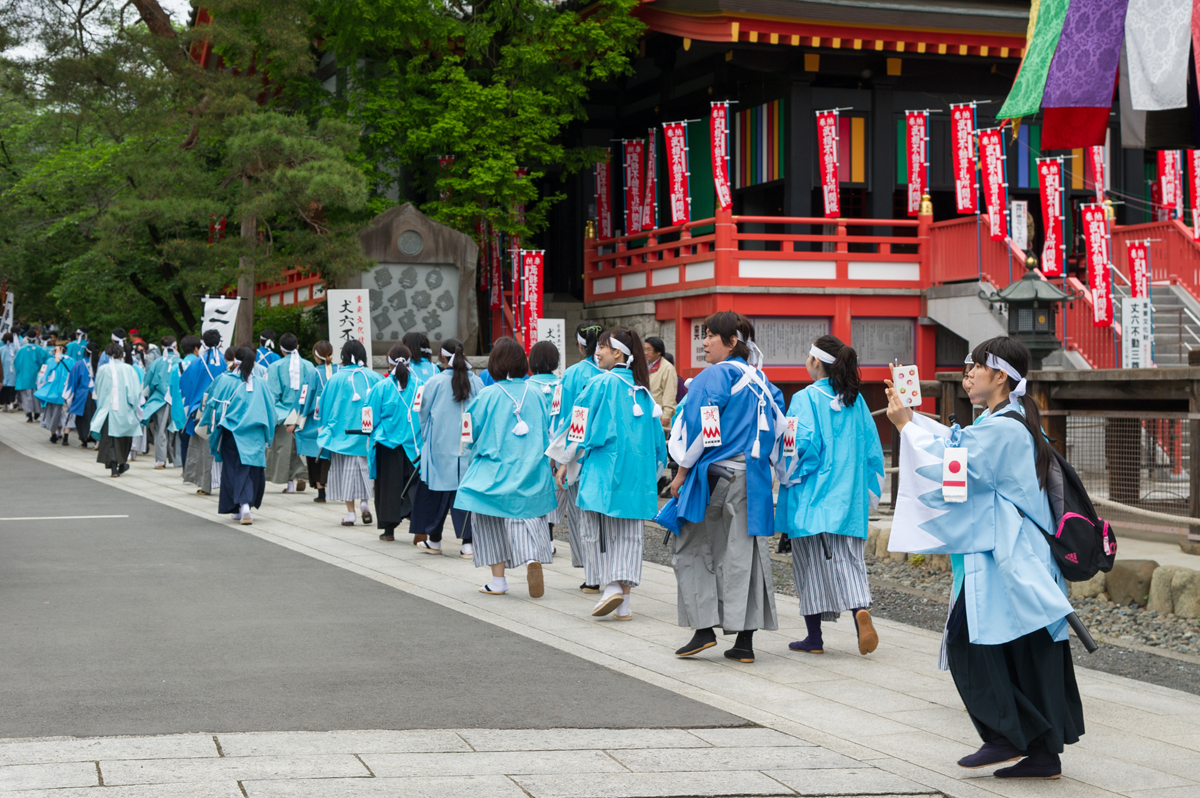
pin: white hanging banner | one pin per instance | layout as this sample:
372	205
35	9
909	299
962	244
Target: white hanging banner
1020	230
1137	333
220	314
6	318
349	318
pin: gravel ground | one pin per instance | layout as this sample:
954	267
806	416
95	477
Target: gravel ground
918	596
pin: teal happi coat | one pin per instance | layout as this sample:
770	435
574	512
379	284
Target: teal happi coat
308	406
425	370
342	402
394	418
509	475
26	364
118	397
248	414
622	452
1011	583
443	460
54	381
156	384
573	382
835	475
285	379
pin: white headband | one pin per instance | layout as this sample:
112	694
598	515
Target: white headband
427	351
582	341
267	342
397	361
620	347
117	340
821	355
450	359
286	351
1000	364
237	363
756	358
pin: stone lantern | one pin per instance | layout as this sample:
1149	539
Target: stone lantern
1033	312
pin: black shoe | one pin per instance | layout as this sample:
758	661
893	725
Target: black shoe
586	588
743	647
1042	765
124	467
54	437
83	445
65	441
704	638
388	537
993	753
29	418
115	473
320	499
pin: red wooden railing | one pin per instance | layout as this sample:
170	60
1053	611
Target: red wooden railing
1174	256
962	250
296	288
1097	345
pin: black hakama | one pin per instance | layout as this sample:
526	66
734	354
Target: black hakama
112	450
83	421
429	513
393	473
240	483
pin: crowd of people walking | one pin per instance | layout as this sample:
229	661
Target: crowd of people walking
512	452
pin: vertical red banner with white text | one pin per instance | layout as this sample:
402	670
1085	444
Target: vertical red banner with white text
827	155
633	184
1193	158
604	227
995	189
675	137
650	202
532	269
918	168
962	134
1096	161
719	133
1139	268
1095	244
1168	181
1050	175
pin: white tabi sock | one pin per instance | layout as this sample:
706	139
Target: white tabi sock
350	517
291	486
611	589
624	610
436	546
245	511
499	584
363	508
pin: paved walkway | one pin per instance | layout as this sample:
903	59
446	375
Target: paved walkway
861	719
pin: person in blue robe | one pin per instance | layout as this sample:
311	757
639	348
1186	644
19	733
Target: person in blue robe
81	385
587	333
118	400
77	348
266	354
27	366
830	476
730	425
422	364
395	445
118	336
444	458
9	345
53	394
156	385
285	379
202	369
342	433
508	487
243	428
617	451
543	371
307	428
1005	641
188	346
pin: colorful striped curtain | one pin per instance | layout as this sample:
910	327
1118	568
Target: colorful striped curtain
758	144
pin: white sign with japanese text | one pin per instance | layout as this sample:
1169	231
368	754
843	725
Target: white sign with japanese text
349	318
1137	333
555	331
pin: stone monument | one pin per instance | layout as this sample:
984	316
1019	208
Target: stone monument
423	281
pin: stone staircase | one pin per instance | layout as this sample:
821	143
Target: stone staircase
1176	322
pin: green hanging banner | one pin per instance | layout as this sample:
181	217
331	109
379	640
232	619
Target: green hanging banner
1026	96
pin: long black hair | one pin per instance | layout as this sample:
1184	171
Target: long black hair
1016	354
354	353
246	355
460	378
589	331
400	356
843	371
637	355
418	344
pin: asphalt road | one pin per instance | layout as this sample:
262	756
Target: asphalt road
165	622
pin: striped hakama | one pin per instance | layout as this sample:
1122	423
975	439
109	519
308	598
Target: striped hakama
349	478
512	541
164	439
29	403
830	587
54	417
283	463
574	522
723	572
624	542
198	467
557	515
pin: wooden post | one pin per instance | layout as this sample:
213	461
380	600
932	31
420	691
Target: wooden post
1055	427
1194	454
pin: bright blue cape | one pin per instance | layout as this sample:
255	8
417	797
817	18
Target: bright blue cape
279	379
54	382
342	411
27	363
442	464
395	422
247	414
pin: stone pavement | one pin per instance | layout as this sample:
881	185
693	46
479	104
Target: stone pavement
834	724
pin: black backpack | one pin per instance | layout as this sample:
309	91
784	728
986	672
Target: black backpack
1083	543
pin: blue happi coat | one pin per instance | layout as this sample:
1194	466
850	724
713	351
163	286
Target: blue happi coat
1010	581
117	378
80	385
623	452
156	384
835	476
443	461
196	379
265	357
247	413
749	407
285	392
395	422
509	475
77	348
8	352
425	370
341	409
54	381
307	435
26	365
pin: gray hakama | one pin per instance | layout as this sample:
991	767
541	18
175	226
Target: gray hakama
283	462
574	522
164	439
512	541
198	467
830	587
349	478
624	542
29	404
54	418
723	572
